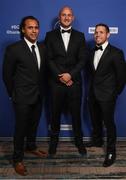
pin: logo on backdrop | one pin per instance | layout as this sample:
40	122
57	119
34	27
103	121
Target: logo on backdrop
14	29
64	127
56	24
113	30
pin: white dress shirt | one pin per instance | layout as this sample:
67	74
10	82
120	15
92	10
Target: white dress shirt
36	50
98	54
65	37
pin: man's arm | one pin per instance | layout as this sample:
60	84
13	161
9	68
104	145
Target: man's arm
120	70
8	70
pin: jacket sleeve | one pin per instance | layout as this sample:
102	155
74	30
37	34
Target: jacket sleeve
9	70
83	56
120	69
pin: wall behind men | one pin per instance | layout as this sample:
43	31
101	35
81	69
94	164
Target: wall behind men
87	14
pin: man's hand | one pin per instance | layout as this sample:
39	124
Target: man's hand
65	77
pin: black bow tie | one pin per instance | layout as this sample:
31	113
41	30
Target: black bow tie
98	48
68	31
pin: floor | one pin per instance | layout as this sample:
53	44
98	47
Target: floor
67	164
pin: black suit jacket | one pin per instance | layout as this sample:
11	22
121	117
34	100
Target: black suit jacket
71	61
108	80
23	80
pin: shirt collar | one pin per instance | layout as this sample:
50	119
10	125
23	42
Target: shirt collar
104	45
29	43
61	28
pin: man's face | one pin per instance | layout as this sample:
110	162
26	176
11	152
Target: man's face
66	17
101	35
31	30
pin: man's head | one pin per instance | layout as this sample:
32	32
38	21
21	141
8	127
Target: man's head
101	33
66	17
29	28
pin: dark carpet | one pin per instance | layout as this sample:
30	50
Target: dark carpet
67	164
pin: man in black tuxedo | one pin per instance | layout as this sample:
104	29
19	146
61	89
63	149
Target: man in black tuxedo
23	75
66	56
107	81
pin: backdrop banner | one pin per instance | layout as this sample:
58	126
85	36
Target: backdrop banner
87	14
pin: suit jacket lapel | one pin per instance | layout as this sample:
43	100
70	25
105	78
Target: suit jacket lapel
103	56
71	41
29	53
59	37
92	60
26	48
60	40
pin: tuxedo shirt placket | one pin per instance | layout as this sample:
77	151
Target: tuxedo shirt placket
97	57
66	38
98	54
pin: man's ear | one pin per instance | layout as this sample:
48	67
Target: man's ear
108	35
22	30
73	18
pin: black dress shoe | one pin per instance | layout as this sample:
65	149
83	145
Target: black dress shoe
53	146
52	149
109	159
93	144
82	150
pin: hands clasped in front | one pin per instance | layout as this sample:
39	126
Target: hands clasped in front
65	78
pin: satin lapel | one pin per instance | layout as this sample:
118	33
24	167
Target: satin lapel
71	41
60	40
92	60
103	56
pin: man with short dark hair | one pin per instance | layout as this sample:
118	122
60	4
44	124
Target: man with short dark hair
108	72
